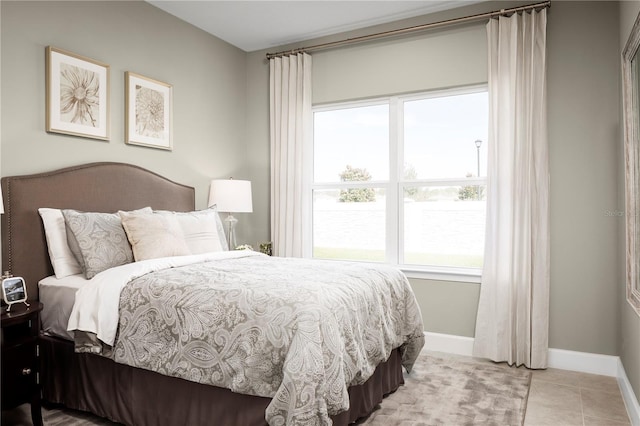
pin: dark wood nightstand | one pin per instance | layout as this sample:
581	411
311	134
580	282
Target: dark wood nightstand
20	358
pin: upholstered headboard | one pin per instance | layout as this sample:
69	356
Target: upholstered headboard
95	187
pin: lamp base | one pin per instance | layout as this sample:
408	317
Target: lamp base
231	223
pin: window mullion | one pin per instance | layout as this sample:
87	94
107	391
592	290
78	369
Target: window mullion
395	169
446	182
350	184
400	185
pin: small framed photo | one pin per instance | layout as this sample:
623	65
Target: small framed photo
14	290
148	116
77	95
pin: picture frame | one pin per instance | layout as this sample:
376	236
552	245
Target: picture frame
148	112
77	95
631	117
14	291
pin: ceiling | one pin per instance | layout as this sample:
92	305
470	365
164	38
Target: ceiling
257	25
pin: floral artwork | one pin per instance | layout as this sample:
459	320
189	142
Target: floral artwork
79	100
77	95
148	115
149	112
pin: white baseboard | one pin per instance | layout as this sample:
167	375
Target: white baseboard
459	345
605	365
630	399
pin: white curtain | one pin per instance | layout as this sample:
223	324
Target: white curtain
513	313
291	127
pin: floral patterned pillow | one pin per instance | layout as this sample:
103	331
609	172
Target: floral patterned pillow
97	240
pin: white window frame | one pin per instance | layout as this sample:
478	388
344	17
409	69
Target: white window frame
395	185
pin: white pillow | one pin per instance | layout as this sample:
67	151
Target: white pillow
202	230
153	236
62	259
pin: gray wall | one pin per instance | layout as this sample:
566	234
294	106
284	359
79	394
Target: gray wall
584	123
629	343
221	124
207	74
583	78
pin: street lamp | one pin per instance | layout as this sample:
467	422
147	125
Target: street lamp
478	143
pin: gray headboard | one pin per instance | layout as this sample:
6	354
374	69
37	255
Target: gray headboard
95	187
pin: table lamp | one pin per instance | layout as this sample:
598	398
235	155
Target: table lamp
231	196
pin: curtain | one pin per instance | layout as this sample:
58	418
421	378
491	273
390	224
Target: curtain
291	124
513	312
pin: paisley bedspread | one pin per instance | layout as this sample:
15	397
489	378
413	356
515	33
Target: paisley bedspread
298	331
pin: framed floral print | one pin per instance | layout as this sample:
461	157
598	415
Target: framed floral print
148	116
77	95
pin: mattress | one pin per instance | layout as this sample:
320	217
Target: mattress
58	297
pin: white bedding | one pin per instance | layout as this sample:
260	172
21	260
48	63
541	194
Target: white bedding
57	297
298	331
96	305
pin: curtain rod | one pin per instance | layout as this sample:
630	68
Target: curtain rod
423	27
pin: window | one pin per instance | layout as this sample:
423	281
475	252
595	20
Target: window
402	180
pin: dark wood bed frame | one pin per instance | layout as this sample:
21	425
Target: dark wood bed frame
99	385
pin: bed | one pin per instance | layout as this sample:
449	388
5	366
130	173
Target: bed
140	395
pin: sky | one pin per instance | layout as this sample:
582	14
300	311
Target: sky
439	138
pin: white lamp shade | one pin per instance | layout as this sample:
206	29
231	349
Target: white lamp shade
231	196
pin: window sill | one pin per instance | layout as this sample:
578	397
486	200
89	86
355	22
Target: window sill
473	276
462	275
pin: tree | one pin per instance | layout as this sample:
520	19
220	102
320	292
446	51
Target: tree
471	192
416	193
356	195
410	174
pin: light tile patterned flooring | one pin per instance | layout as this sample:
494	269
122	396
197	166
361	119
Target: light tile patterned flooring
561	397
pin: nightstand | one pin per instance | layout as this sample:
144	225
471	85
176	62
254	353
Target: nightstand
20	358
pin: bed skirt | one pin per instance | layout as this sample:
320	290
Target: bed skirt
140	397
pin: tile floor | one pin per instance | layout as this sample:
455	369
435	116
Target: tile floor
561	397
